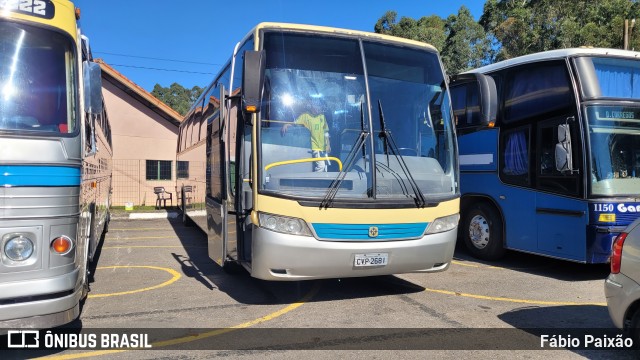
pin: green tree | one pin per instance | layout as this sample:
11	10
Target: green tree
460	39
428	29
519	27
177	97
467	45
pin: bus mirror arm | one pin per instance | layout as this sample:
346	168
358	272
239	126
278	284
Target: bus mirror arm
90	123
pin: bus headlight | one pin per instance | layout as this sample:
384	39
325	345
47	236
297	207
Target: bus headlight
443	224
18	248
284	224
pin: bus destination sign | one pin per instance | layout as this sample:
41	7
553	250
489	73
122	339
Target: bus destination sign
614	114
39	8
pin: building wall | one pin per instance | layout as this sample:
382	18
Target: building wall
139	134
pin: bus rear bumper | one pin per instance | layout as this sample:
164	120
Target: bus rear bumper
57	306
277	256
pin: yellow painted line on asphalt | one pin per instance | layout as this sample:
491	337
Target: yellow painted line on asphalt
175	276
143	229
152	246
523	301
143	238
204	335
464	264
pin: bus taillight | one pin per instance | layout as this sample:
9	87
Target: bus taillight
616	253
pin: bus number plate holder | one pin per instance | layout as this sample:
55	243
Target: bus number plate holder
371	259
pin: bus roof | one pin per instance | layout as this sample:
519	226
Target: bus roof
555	54
58	13
332	30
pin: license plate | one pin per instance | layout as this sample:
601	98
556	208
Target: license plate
377	259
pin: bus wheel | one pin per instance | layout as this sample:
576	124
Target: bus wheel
91	238
85	281
107	220
232	267
482	232
185	218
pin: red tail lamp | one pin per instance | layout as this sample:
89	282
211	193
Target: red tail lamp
616	253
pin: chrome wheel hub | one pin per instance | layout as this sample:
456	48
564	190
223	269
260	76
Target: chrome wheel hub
479	231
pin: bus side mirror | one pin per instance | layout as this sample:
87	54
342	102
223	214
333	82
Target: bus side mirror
563	154
474	99
92	88
252	81
488	99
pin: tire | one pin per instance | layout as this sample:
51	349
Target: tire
185	219
232	267
87	274
92	240
633	331
482	232
106	222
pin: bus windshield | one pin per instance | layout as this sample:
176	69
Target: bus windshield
616	78
614	133
37	79
316	123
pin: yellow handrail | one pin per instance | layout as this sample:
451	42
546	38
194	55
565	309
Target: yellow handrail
296	161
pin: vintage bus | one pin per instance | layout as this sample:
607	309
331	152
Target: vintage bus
558	171
55	163
323	153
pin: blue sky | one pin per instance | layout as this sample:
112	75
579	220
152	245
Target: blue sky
137	36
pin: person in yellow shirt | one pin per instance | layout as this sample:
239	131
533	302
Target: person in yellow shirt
316	123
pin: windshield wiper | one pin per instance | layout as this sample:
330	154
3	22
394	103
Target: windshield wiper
389	142
334	187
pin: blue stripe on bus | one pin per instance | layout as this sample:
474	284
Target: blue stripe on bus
350	232
30	175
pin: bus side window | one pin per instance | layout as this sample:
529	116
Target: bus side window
515	156
548	177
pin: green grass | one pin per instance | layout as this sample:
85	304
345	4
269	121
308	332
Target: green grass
140	208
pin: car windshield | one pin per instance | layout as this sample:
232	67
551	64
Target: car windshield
319	123
37	80
614	133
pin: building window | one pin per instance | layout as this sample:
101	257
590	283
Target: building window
158	169
182	170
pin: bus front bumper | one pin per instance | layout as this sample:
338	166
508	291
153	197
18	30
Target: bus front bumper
277	256
55	303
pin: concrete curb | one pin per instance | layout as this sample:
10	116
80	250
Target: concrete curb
145	216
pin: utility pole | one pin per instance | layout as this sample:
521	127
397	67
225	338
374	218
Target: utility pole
628	29
625	36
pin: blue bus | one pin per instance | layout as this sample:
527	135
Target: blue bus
554	168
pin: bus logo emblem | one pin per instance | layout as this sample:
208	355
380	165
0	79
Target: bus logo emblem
373	231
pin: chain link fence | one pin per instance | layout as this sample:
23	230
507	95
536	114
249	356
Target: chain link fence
134	180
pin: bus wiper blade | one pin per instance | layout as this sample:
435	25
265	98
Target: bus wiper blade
385	135
334	187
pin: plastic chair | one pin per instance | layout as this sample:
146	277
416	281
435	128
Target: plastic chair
162	196
188	190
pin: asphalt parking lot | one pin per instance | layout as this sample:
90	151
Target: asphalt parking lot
155	274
